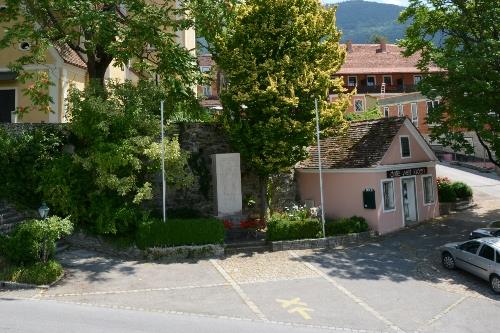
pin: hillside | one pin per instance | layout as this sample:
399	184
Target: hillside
360	20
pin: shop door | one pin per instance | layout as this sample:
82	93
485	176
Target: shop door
7	105
408	191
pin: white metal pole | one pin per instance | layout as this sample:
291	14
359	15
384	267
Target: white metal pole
163	164
320	168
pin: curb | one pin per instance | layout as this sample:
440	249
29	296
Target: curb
328	242
9	285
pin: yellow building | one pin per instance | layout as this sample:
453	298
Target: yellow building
65	68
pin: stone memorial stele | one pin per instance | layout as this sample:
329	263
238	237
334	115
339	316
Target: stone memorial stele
227	184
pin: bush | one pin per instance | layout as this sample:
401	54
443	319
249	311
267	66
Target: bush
462	190
39	273
177	232
35	240
280	227
446	193
346	226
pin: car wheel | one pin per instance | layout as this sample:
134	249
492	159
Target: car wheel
495	283
448	261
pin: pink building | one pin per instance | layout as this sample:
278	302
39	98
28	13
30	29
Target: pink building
382	170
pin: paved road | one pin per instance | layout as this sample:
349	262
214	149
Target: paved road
393	284
42	316
485	185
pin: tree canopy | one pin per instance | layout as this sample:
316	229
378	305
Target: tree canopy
277	57
463	38
104	32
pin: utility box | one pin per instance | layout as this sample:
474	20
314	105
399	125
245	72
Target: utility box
369	198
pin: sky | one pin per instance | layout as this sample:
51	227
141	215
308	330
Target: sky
394	2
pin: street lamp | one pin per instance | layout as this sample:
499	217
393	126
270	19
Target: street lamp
43	211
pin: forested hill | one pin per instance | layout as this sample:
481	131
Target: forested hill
360	20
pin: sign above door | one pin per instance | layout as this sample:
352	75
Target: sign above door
406	172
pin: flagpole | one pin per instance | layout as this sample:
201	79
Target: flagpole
320	168
163	164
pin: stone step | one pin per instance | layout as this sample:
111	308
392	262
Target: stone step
247	246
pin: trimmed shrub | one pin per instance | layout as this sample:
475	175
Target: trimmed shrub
462	190
344	226
177	232
35	240
39	273
446	193
280	228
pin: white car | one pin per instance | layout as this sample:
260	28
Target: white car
480	257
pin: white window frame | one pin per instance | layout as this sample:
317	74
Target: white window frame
390	81
205	69
434	103
430	203
414	117
362	105
388	180
415	80
13	116
355	81
386	111
374	80
401	110
401	146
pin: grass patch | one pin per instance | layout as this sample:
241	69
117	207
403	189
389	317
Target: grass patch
39	273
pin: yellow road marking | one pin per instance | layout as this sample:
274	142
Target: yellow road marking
298	307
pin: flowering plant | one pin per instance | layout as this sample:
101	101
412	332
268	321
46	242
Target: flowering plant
252	224
227	224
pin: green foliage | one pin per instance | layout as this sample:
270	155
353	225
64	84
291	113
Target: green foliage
177	232
42	273
35	240
462	190
344	226
22	156
371	114
446	193
184	213
281	227
104	184
461	37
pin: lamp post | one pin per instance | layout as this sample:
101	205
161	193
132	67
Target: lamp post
163	165
43	211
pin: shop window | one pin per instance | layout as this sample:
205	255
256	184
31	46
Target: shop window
386	111
417	79
388	195
428	189
370	81
358	105
414	114
352	81
401	112
388	80
405	146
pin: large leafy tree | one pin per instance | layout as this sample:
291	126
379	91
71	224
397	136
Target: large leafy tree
277	57
103	32
463	38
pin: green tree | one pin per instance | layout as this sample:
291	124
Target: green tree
101	32
277	56
378	39
371	114
463	38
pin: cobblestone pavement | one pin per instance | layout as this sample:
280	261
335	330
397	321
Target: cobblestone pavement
393	283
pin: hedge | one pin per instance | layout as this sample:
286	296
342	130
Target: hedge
344	226
462	190
40	273
280	228
177	232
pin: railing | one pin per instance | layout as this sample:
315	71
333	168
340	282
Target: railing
363	89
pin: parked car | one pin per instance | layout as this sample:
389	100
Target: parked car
480	257
485	232
494	224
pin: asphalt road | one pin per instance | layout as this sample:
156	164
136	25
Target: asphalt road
48	316
485	185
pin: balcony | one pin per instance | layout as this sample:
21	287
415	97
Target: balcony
389	89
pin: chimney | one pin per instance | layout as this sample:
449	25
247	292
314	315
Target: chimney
383	47
349	46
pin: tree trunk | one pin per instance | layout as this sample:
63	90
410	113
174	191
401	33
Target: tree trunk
263	197
488	151
97	71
